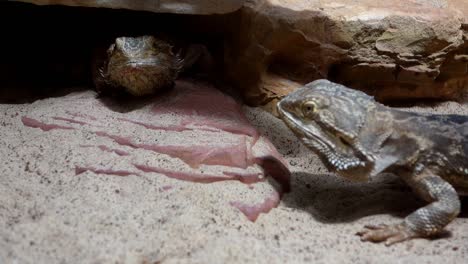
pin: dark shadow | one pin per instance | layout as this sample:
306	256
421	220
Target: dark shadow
331	199
40	58
423	103
24	94
464	207
124	102
444	234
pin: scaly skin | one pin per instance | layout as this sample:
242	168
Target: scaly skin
137	65
358	138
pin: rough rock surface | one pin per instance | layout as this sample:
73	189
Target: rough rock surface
395	49
106	210
198	7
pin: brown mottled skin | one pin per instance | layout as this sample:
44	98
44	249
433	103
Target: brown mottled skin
358	138
138	66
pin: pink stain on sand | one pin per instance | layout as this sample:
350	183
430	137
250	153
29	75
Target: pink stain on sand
197	107
177	128
252	212
167	187
202	177
206	107
232	155
30	122
185	176
81	115
79	170
70	120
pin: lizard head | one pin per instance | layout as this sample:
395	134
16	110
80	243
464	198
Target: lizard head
327	117
140	65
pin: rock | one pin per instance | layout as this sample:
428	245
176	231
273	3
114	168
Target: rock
274	88
391	49
199	7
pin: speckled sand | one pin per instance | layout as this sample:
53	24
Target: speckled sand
50	215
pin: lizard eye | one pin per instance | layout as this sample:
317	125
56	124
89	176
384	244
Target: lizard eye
309	108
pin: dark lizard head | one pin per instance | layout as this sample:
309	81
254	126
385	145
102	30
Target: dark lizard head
140	65
327	117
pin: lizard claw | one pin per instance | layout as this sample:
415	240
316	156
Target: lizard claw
391	234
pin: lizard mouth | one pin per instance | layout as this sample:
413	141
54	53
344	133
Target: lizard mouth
340	154
137	65
153	62
140	77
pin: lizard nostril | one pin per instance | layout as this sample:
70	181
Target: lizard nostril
344	142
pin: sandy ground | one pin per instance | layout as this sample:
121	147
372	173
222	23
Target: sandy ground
48	214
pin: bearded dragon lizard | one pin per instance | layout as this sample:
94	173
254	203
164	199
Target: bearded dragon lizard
358	138
140	65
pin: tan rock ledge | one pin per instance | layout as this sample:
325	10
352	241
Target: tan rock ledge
199	7
392	49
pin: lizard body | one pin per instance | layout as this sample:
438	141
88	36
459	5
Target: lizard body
358	138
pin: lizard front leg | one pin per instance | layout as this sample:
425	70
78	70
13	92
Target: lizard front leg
426	221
